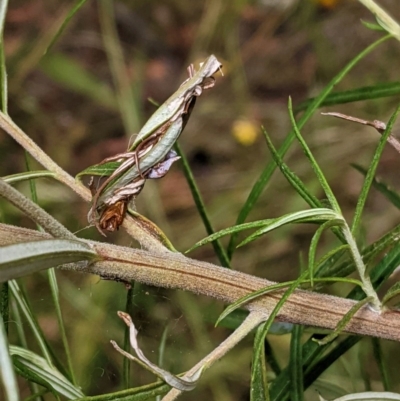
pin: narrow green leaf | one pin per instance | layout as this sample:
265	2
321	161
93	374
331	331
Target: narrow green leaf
383	188
74	9
314	244
372	26
29	362
102	170
249	297
4	304
28	175
296	365
371	172
344	320
392	296
143	393
304	216
314	367
266	326
279	286
383	18
258	381
378	355
295	181
291	177
51	273
21	328
25	258
128	103
230	230
265	176
201	208
269	352
29	315
320	175
354	95
368	254
73	76
7	374
129	309
331	257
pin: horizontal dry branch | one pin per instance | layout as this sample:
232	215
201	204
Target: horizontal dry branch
173	270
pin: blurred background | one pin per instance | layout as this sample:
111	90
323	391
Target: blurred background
85	99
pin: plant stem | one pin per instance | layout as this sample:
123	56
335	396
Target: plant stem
173	270
360	266
250	323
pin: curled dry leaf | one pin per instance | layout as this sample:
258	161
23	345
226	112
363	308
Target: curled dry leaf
169	378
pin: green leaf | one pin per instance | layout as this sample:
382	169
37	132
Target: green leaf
7	375
269	351
304	216
128	100
295	181
314	244
320	175
314	363
23	304
354	95
379	358
383	18
259	383
372	26
73	76
230	230
371	172
383	188
143	393
344	320
102	170
198	200
33	366
392	296
25	258
51	274
331	257
266	326
28	175
279	286
74	9
265	176
368	254
291	177
296	365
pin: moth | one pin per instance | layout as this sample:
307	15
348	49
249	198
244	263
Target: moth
151	154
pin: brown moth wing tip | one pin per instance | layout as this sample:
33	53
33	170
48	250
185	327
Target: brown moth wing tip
113	216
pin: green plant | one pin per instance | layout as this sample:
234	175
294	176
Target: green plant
25	251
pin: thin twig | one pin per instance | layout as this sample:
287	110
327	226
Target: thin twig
250	323
380	126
